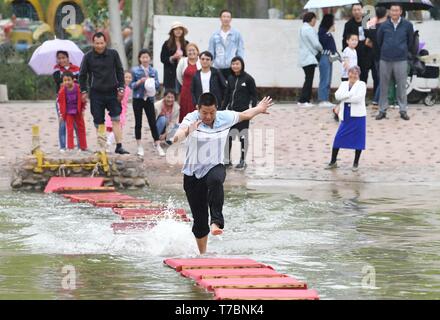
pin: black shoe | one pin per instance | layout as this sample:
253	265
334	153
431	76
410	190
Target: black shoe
228	165
121	151
404	116
336	117
241	166
381	115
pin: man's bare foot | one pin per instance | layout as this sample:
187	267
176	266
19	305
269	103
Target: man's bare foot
215	230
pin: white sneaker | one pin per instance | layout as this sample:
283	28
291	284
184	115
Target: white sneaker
326	104
304	104
160	150
62	150
140	151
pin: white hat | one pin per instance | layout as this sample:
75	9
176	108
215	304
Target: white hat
150	88
178	24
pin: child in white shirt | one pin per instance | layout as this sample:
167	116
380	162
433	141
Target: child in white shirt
349	55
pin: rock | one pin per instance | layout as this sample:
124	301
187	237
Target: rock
130	173
127	182
139	183
30	181
17	183
77	170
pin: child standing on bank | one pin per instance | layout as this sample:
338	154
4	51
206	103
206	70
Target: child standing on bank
71	109
124	104
349	55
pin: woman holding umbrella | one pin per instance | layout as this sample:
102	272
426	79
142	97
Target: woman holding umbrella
56	57
63	66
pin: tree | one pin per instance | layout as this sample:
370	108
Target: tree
161	6
150	24
137	29
261	9
115	31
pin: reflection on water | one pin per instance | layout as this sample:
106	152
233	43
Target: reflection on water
352	241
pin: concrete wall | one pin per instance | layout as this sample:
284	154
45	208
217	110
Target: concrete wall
271	46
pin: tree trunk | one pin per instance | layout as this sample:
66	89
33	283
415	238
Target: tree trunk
160	7
179	6
261	9
115	31
150	24
137	26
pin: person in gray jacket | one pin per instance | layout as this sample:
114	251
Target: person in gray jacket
309	49
395	38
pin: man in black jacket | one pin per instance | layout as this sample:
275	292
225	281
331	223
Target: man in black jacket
208	79
102	75
365	54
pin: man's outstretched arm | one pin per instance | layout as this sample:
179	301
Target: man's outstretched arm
262	107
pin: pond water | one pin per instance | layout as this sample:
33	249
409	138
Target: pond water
348	241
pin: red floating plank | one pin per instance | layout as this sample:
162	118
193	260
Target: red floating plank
124	204
67	190
59	182
127	226
213	263
265	294
128	214
126	200
134	212
198	274
252	283
112	196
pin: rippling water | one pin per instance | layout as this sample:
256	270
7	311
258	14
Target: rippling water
347	241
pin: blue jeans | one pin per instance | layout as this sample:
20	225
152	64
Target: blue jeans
325	78
161	124
62	130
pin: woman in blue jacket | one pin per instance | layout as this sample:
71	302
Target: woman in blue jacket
143	99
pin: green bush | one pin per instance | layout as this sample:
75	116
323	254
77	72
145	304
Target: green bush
23	84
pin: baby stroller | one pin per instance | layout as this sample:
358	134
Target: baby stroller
423	78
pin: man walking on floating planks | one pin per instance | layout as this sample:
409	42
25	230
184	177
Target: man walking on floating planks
205	132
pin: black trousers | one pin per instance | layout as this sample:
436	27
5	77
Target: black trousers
306	93
139	106
204	195
365	69
240	130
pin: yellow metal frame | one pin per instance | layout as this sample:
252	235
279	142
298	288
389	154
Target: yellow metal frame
43	164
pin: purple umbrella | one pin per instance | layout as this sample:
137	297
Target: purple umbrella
44	58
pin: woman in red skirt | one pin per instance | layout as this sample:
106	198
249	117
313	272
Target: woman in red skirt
186	70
